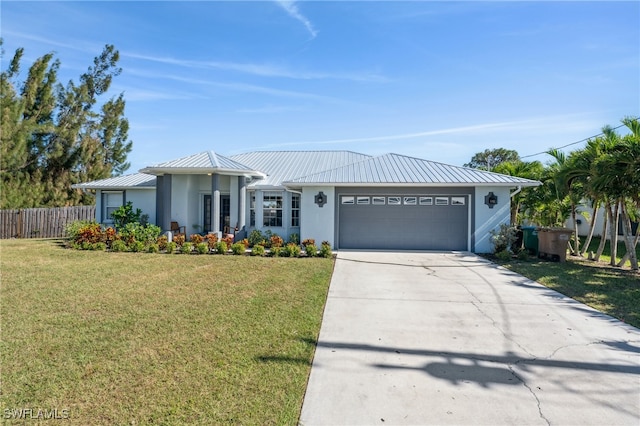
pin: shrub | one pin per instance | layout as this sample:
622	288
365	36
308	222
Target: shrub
237	248
311	250
221	247
325	250
153	248
503	238
134	231
255	237
89	233
71	230
171	247
119	246
523	255
202	248
179	239
186	248
124	215
292	250
162	242
136	246
308	241
245	242
504	255
275	251
228	239
257	250
276	241
99	246
196	239
212	241
294	238
109	235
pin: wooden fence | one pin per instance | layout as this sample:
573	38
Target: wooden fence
41	223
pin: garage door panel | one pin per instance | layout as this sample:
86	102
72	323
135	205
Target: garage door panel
403	227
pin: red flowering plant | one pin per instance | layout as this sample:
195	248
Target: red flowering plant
196	238
212	241
276	241
228	239
179	239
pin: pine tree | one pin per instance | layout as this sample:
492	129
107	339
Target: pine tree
54	136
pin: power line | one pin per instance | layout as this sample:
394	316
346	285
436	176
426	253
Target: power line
574	143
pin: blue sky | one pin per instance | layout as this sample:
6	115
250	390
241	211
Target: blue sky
435	80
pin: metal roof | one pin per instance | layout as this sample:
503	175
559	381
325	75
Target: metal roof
276	169
280	166
136	180
203	162
394	169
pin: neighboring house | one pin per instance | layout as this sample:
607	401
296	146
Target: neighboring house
352	200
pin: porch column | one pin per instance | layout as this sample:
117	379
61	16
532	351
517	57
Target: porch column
215	202
242	200
163	202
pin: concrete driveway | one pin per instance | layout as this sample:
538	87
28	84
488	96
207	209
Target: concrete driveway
449	338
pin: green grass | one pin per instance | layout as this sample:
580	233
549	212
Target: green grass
614	291
132	338
606	253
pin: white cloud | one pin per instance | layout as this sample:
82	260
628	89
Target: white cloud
292	9
263	70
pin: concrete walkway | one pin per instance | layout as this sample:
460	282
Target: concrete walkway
449	338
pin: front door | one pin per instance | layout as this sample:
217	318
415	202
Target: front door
225	213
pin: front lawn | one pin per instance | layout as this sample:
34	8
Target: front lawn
132	338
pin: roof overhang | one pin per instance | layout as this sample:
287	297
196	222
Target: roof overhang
161	171
421	185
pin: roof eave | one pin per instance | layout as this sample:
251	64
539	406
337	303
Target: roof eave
414	184
160	171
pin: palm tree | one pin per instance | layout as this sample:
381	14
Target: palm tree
617	175
528	170
568	187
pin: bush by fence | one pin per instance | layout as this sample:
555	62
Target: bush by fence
41	223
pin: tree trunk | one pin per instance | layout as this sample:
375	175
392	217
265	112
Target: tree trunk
575	251
603	235
592	227
635	244
627	235
613	230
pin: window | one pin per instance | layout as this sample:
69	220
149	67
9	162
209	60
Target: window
272	209
410	201
394	201
347	200
111	201
442	201
362	200
252	208
377	201
295	210
457	201
426	201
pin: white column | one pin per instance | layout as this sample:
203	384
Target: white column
215	203
242	202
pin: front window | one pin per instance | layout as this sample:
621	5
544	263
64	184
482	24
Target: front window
272	209
252	208
112	201
295	210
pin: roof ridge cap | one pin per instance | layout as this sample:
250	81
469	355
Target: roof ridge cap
213	157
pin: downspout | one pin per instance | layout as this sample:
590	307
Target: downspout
516	191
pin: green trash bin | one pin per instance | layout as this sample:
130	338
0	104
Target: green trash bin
530	237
